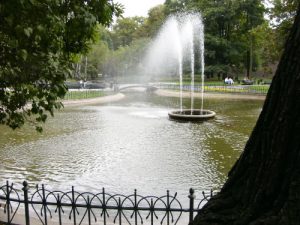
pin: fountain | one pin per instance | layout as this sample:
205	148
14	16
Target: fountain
174	47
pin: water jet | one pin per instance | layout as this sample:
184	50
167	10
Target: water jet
175	48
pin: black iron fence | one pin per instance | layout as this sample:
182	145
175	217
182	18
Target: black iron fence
42	206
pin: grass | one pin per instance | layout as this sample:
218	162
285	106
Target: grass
85	94
260	88
251	89
213	81
242	89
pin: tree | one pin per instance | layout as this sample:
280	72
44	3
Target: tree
263	186
90	65
252	16
95	59
155	19
125	31
175	6
282	14
266	47
230	43
124	62
39	40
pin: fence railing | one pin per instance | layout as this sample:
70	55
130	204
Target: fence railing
57	207
239	89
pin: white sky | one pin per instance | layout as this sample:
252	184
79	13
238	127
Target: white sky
138	7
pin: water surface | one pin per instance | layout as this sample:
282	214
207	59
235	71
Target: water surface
130	144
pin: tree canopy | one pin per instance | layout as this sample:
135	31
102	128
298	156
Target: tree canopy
238	37
39	41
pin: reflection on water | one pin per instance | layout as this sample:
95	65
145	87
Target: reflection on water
130	144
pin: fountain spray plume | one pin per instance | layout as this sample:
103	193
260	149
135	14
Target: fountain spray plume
164	53
173	51
180	70
201	43
188	37
193	39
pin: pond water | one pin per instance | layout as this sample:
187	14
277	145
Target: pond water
130	144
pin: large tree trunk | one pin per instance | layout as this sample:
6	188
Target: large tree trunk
263	187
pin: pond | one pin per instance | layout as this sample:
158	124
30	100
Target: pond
130	144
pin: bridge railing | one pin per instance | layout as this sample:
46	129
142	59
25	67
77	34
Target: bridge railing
43	206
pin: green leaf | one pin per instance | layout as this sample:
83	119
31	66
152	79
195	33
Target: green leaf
28	31
24	54
39	129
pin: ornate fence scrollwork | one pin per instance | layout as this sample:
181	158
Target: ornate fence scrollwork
102	208
10	208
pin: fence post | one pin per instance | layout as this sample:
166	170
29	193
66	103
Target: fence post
135	207
73	205
168	207
59	209
104	206
44	204
192	198
8	202
26	207
152	211
88	206
120	211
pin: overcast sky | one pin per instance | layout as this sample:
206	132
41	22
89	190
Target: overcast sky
138	7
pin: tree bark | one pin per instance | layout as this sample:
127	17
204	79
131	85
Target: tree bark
263	187
248	64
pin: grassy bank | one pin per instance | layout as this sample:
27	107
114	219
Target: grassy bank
240	89
214	81
85	94
251	89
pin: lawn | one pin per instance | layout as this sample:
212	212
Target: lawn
84	94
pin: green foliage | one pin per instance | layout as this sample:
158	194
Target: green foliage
39	40
120	50
96	59
238	38
125	31
125	60
228	36
282	16
155	19
175	6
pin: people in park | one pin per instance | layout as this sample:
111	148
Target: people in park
81	83
229	81
226	80
247	81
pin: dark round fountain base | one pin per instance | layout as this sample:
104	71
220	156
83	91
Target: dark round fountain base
192	115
